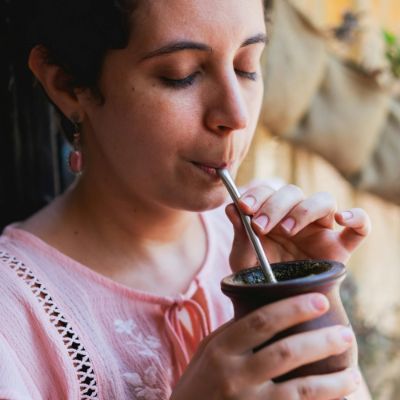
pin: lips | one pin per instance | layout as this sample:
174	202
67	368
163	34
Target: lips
211	167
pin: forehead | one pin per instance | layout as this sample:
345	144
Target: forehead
214	22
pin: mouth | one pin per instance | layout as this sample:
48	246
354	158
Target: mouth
211	168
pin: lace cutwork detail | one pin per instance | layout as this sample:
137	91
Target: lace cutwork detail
76	351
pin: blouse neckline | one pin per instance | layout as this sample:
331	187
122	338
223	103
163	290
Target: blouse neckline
13	232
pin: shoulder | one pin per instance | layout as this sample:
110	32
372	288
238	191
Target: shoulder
10	265
15	297
20	266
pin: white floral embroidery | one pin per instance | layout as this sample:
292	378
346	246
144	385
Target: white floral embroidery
153	342
144	387
124	326
133	378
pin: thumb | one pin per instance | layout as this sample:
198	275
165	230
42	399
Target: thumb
242	254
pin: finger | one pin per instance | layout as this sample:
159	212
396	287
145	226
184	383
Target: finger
242	254
356	219
204	343
320	387
262	324
251	200
276	207
294	351
357	225
320	207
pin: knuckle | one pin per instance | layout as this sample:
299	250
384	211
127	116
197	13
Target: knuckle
267	189
334	341
284	351
302	210
261	321
326	196
305	391
300	307
229	389
331	340
259	191
361	214
295	190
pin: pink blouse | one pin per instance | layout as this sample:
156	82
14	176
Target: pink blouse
67	332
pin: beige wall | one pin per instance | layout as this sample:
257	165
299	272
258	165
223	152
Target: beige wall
376	265
328	12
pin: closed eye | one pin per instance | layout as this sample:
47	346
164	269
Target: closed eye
180	83
253	76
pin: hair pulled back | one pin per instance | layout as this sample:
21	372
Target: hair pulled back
78	33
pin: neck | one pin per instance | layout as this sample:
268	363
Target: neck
138	239
112	214
127	240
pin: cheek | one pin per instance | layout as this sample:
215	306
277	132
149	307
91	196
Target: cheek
255	99
159	103
151	127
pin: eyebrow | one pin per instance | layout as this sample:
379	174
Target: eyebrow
177	46
260	38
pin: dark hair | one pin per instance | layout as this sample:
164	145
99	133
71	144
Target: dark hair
77	34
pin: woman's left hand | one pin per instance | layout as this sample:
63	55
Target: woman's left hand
292	227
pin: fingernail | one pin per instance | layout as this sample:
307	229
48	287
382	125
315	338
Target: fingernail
288	224
356	375
347	335
261	221
320	303
347	215
250	201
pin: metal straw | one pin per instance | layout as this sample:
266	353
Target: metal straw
254	239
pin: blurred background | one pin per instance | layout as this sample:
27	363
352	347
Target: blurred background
330	122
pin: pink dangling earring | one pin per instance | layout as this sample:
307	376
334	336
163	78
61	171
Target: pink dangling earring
75	159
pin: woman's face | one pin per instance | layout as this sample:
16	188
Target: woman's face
181	100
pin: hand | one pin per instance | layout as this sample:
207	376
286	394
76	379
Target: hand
225	367
292	227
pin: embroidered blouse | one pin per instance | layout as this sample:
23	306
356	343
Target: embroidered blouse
67	332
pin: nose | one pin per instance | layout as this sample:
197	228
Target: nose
227	110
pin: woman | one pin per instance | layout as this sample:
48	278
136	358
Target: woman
114	287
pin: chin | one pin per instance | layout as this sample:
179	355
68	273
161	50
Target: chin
206	201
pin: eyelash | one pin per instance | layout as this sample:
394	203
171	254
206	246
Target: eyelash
180	83
189	80
248	75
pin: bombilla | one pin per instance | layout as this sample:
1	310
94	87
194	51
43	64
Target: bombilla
254	239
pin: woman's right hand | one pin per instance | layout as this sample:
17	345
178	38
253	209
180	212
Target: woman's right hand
225	366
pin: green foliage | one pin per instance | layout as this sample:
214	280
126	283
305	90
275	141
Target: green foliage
393	52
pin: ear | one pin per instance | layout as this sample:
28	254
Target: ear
55	82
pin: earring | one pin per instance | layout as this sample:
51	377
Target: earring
75	158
